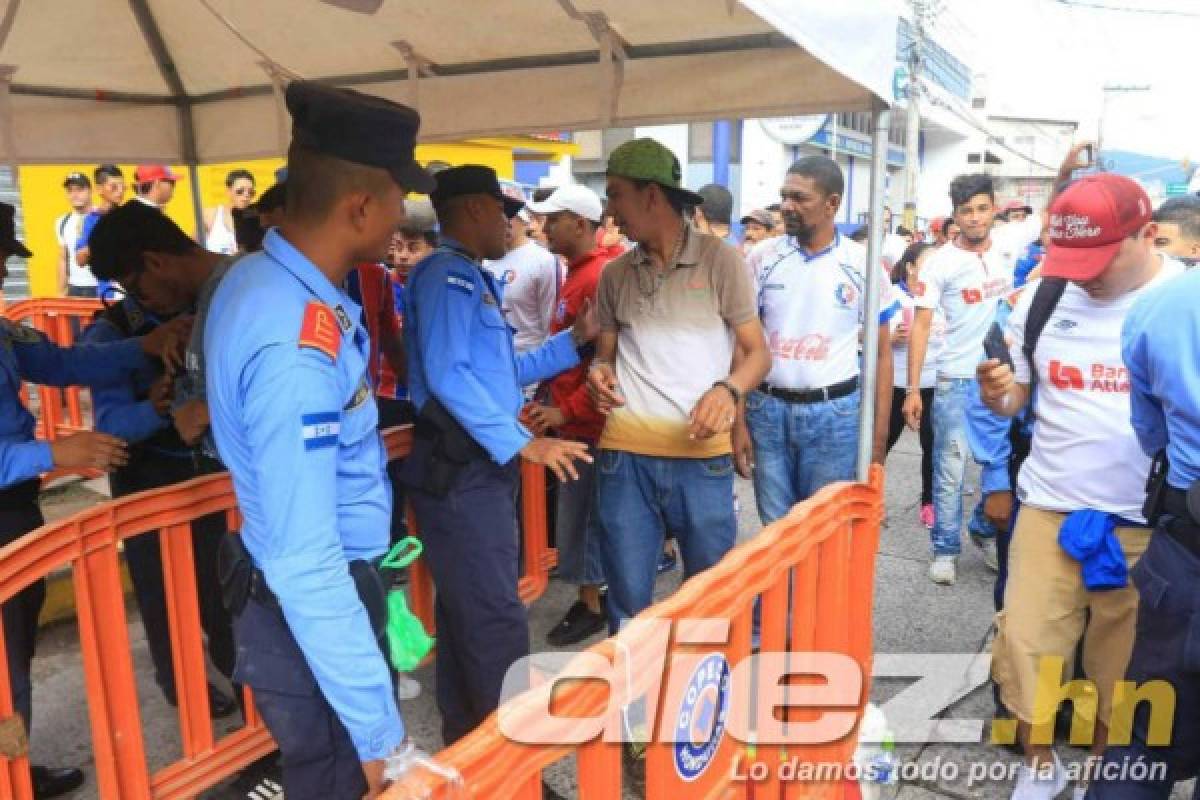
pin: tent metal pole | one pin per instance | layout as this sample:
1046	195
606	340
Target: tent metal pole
157	46
871	354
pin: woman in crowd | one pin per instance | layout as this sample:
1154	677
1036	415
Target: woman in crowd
219	231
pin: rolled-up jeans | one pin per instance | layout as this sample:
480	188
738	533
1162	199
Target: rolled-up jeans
950	451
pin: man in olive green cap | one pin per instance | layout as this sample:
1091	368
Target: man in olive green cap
678	305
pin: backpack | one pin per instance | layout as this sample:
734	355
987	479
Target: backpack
1045	300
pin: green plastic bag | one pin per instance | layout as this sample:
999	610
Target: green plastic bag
408	643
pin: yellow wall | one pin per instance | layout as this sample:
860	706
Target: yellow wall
43	199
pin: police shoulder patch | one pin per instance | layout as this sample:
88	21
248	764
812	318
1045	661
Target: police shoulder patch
320	329
460	282
320	429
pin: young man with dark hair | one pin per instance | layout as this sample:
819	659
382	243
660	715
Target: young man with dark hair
1179	229
811	288
715	214
967	278
74	280
165	274
110	187
286	356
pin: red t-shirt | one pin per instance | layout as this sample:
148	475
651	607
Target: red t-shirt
379	311
568	391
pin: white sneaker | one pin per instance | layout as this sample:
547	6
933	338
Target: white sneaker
987	546
1044	784
944	570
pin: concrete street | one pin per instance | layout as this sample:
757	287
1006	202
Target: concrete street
911	616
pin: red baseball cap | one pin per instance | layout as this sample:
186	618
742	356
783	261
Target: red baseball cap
1088	222
145	173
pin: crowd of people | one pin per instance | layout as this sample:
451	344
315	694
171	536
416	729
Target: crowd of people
645	356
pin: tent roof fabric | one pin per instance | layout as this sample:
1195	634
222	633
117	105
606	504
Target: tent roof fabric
190	80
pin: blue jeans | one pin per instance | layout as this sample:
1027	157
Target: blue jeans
577	529
638	499
799	448
950	451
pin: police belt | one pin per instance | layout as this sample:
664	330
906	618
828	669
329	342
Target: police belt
1183	508
808	396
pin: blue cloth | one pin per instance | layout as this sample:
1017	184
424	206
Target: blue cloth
297	429
460	350
103	288
117	407
1160	343
799	448
1026	264
951	400
27	355
988	436
1166	648
639	499
1090	538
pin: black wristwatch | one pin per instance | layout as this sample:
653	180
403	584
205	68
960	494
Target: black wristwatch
733	390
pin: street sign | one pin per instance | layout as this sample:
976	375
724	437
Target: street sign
1176	189
794	130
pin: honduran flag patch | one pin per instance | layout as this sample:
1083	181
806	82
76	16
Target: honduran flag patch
321	429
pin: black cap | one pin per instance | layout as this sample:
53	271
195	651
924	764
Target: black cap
360	128
8	232
77	179
472	179
272	199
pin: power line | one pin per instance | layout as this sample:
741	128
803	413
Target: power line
1164	12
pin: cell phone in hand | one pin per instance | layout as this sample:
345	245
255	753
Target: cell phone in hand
995	347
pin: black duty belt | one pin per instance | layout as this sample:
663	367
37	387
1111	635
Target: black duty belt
20	496
1182	525
806	396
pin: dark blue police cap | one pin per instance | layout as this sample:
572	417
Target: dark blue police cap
472	179
359	128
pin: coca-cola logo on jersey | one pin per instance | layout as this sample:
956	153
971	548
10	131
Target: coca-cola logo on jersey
1073	226
812	347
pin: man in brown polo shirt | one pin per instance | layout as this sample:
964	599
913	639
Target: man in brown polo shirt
671	312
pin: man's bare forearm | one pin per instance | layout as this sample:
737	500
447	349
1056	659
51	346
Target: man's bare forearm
918	343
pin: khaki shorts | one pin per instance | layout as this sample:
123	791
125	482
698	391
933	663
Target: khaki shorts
1047	610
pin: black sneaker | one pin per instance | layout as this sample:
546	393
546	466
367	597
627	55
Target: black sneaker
578	624
262	780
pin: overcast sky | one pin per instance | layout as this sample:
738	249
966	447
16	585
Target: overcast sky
1044	58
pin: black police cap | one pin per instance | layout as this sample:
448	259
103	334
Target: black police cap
472	179
360	128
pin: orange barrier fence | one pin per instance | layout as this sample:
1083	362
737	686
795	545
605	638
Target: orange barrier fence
88	543
824	550
59	411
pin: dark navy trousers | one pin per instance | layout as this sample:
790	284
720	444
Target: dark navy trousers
19	514
1167	649
471	548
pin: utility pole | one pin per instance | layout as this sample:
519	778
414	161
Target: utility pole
1106	92
912	142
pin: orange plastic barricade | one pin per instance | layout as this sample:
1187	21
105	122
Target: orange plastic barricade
695	674
59	411
88	543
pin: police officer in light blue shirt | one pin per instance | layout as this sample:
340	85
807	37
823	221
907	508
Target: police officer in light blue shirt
465	382
1160	343
295	423
26	355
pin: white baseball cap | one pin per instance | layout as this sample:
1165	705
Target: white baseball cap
576	198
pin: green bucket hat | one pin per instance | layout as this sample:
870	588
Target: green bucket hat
648	160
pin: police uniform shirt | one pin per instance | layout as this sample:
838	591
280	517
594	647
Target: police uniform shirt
460	350
1160	343
27	355
295	424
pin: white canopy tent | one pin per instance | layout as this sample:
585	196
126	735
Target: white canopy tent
200	81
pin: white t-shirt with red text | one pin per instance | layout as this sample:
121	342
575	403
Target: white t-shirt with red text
812	307
905	305
1085	454
968	286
